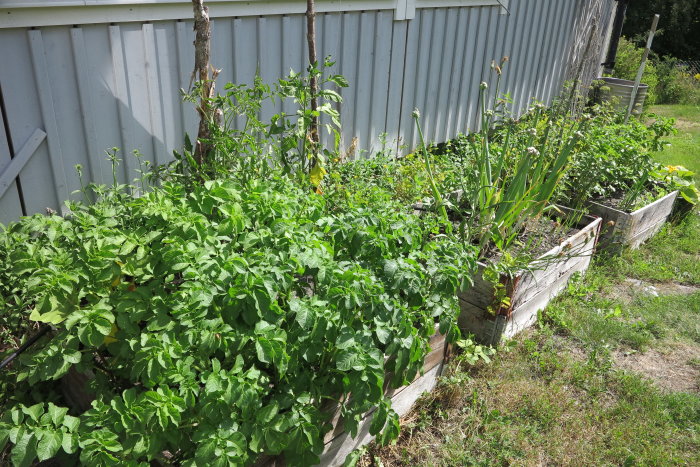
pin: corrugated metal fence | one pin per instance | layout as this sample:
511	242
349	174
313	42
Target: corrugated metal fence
72	89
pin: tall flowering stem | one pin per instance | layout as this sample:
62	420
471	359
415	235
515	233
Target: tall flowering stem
440	204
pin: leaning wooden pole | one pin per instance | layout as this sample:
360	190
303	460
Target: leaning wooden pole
202	53
311	40
640	72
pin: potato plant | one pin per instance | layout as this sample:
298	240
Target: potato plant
218	323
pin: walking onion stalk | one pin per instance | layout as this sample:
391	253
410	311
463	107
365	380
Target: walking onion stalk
439	203
514	180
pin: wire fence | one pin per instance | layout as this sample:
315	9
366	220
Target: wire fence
690	66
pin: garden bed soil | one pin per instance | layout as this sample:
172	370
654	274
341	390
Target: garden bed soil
623	229
539	236
530	290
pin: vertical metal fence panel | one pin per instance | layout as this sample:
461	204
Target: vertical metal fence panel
10	204
380	80
221	47
168	77
563	56
395	86
86	99
466	84
409	81
59	97
421	93
477	64
363	81
491	53
514	34
558	49
435	73
529	84
453	105
185	64
348	67
56	170
96	86
138	102
552	8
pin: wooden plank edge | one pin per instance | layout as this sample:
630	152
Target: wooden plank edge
338	449
669	197
642	236
582	237
527	312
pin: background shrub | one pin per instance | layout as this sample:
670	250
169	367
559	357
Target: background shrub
627	64
669	80
677	83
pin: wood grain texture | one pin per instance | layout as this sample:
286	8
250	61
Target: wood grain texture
529	291
338	449
629	230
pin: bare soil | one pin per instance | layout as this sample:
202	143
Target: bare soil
675	369
633	288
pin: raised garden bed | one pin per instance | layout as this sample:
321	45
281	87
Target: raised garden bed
529	291
338	443
623	229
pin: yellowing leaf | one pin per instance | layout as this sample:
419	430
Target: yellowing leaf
48	310
317	174
110	338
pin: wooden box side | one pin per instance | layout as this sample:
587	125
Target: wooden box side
339	443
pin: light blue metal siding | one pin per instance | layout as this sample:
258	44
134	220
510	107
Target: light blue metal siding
96	86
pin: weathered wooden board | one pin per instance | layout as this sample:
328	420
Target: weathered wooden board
622	229
530	291
434	358
338	449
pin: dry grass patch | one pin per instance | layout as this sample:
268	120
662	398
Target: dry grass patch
541	404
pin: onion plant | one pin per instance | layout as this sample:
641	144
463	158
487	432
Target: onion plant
514	170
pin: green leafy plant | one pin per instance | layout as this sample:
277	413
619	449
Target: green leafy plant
246	147
613	161
515	169
219	322
677	177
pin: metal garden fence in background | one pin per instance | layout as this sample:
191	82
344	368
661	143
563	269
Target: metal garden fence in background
80	77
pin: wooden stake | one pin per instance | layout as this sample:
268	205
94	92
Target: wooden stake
311	40
638	79
202	53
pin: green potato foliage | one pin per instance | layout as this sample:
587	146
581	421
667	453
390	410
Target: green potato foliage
222	322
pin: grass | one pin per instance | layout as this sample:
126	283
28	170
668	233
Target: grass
685	146
609	377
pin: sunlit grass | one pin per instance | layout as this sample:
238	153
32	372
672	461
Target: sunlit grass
685	146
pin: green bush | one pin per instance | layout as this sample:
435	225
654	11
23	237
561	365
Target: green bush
677	85
627	63
669	81
218	321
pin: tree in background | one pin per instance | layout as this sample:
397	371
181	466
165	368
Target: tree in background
679	34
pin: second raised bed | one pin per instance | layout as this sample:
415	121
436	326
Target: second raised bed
630	229
529	291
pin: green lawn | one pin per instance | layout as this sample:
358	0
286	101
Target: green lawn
611	375
685	146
